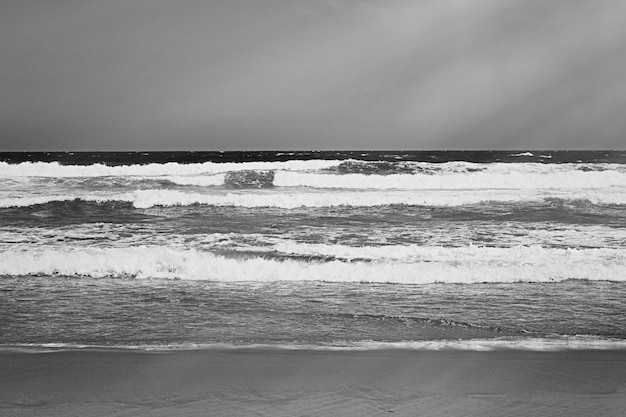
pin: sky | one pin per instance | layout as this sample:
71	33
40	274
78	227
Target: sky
312	74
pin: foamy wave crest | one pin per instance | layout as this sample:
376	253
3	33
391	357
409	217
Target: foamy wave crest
476	180
448	176
146	199
290	200
295	199
56	170
486	265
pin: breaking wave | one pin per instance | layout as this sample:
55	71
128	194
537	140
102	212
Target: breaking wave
289	200
429	265
56	170
320	174
457	181
579	178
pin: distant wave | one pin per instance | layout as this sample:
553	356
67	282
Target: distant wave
317	174
577	178
56	170
449	265
477	180
330	167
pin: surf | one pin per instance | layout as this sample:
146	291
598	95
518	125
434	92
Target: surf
425	265
301	198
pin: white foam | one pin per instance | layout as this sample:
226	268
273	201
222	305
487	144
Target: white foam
457	181
449	265
289	199
56	170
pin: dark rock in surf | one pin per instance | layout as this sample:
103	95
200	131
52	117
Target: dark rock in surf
249	179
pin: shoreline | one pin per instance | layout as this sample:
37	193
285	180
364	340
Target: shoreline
275	382
511	343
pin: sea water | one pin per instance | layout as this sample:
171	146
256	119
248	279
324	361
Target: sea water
176	250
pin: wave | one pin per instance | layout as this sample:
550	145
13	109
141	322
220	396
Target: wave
579	178
477	180
312	199
431	265
56	170
316	174
144	199
246	178
330	167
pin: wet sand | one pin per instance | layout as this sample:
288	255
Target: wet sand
312	383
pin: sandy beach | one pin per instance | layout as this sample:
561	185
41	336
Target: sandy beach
312	383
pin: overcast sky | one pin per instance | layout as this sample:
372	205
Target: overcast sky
312	74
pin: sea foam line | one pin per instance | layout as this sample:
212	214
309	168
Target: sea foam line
535	344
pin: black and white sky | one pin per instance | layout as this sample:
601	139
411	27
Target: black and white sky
312	74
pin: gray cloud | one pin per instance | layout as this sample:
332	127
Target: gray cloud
241	74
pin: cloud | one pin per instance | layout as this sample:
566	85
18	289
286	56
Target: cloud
310	74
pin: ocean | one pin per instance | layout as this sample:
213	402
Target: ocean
322	249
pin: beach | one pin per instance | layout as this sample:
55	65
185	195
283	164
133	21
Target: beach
312	208
275	382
